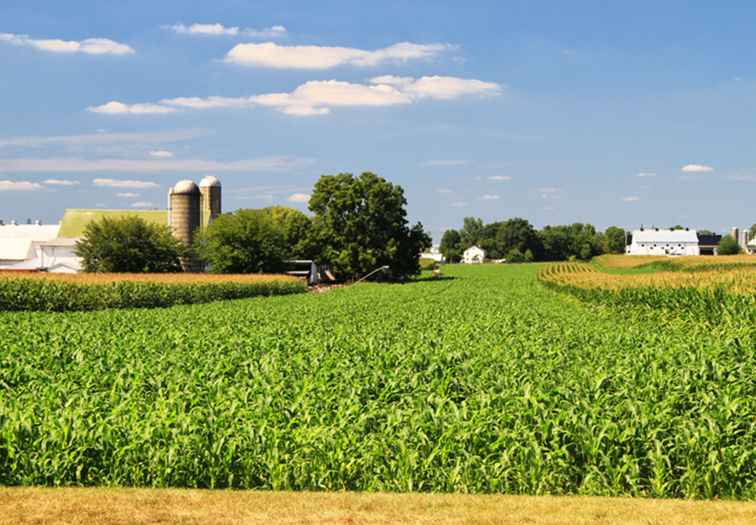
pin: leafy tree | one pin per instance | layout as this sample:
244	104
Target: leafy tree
361	224
753	231
614	240
728	246
451	246
577	240
245	241
677	227
295	227
518	234
705	232
129	244
471	232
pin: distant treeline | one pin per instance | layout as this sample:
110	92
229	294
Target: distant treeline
518	241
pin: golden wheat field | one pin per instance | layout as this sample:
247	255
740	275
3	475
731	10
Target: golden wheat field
162	278
634	261
582	275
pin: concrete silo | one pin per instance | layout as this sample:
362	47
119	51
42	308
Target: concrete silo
185	217
210	199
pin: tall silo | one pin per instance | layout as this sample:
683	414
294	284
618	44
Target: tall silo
210	200
185	217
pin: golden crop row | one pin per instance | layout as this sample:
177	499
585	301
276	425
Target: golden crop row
633	261
162	278
742	280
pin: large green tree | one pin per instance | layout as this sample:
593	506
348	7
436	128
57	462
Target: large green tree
245	241
472	232
129	244
360	223
451	246
614	240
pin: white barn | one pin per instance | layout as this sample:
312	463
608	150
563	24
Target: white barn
655	241
474	255
36	247
434	254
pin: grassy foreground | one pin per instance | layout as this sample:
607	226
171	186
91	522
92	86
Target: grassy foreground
135	506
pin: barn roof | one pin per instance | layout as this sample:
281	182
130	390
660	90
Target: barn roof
16	239
75	220
665	236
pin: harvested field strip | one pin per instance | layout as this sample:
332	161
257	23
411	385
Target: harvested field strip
142	506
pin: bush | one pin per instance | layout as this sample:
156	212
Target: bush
728	246
427	264
246	241
130	245
51	295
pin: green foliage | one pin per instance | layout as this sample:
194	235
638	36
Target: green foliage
451	246
472	232
753	231
484	383
614	240
295	227
580	241
129	244
427	264
728	246
361	224
245	241
60	296
501	238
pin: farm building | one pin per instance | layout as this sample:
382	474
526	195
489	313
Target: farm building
708	244
35	247
433	254
655	241
474	255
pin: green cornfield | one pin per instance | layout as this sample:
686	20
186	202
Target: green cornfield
486	382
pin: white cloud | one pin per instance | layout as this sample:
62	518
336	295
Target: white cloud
104	137
19	185
118	108
443	163
549	193
89	46
127	195
142	204
121	183
276	31
78	165
61	182
500	178
458	204
272	55
161	154
444	190
631	198
439	87
645	174
299	197
696	168
317	97
489	197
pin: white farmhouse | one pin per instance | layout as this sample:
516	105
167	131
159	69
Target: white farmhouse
434	254
654	241
473	255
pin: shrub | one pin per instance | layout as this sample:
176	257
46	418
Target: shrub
129	244
728	246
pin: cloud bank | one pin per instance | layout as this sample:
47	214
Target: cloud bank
318	97
78	165
217	29
89	46
696	168
274	56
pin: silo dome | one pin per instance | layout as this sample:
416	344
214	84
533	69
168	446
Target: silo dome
209	181
185	187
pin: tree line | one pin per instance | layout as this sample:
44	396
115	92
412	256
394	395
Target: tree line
357	224
516	240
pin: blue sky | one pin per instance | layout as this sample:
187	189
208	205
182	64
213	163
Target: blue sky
602	112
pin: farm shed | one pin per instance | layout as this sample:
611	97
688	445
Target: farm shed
655	241
474	255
